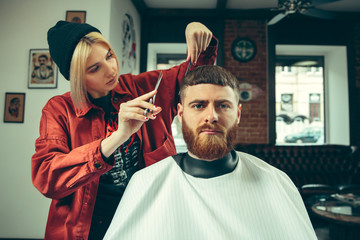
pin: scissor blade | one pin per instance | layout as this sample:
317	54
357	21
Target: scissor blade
187	70
152	100
158	81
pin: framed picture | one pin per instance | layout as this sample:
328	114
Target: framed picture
14	107
76	16
42	69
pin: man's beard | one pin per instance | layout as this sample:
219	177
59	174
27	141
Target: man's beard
213	146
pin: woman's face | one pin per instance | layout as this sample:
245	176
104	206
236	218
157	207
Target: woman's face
101	71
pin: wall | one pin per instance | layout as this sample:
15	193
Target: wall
254	114
258	117
117	15
257	123
24	25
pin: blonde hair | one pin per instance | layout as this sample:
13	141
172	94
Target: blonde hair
81	53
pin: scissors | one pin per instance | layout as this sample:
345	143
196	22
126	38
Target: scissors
152	99
187	70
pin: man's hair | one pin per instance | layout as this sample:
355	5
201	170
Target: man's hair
78	67
209	74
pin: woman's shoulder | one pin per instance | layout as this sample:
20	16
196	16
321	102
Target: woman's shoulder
59	100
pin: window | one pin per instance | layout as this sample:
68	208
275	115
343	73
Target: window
316	110
299	100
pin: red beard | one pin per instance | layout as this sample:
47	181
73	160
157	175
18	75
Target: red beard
210	147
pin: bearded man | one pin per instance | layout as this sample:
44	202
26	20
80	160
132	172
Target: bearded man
212	191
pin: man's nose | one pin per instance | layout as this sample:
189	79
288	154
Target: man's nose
211	114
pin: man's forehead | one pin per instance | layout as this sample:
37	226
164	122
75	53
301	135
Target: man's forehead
208	92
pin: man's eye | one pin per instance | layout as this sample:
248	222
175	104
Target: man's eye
198	106
224	106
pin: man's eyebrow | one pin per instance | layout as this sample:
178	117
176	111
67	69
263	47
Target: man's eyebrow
198	101
223	101
206	101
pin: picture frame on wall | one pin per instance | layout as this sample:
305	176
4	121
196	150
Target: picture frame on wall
14	107
42	69
76	16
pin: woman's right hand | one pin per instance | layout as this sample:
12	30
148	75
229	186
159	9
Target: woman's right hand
132	114
130	118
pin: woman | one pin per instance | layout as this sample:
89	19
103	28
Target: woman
93	139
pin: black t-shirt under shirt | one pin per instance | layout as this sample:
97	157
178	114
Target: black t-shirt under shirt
112	184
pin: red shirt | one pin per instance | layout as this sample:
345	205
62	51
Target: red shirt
67	163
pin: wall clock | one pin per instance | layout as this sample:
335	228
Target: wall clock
243	49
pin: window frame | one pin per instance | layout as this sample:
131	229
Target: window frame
336	59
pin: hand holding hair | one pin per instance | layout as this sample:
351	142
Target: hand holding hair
198	38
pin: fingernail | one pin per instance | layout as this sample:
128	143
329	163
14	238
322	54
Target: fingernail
146	118
154	116
155	107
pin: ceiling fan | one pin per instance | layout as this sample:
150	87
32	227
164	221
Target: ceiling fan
306	7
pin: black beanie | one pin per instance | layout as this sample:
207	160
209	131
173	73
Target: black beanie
62	40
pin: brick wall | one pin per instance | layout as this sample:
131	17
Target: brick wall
254	116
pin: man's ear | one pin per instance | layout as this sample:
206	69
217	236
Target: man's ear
180	111
239	113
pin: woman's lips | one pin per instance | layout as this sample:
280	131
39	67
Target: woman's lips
110	82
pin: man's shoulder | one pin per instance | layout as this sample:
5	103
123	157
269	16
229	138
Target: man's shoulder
257	164
251	159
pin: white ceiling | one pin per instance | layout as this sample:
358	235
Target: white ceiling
339	6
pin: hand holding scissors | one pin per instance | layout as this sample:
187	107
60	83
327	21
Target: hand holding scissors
132	114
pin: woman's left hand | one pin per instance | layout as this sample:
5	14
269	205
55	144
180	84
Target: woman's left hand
198	38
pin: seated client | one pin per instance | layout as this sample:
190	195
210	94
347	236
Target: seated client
212	191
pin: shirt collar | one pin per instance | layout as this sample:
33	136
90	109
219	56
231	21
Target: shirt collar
115	99
207	169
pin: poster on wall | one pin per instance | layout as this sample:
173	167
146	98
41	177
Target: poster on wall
14	107
42	69
75	16
128	63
